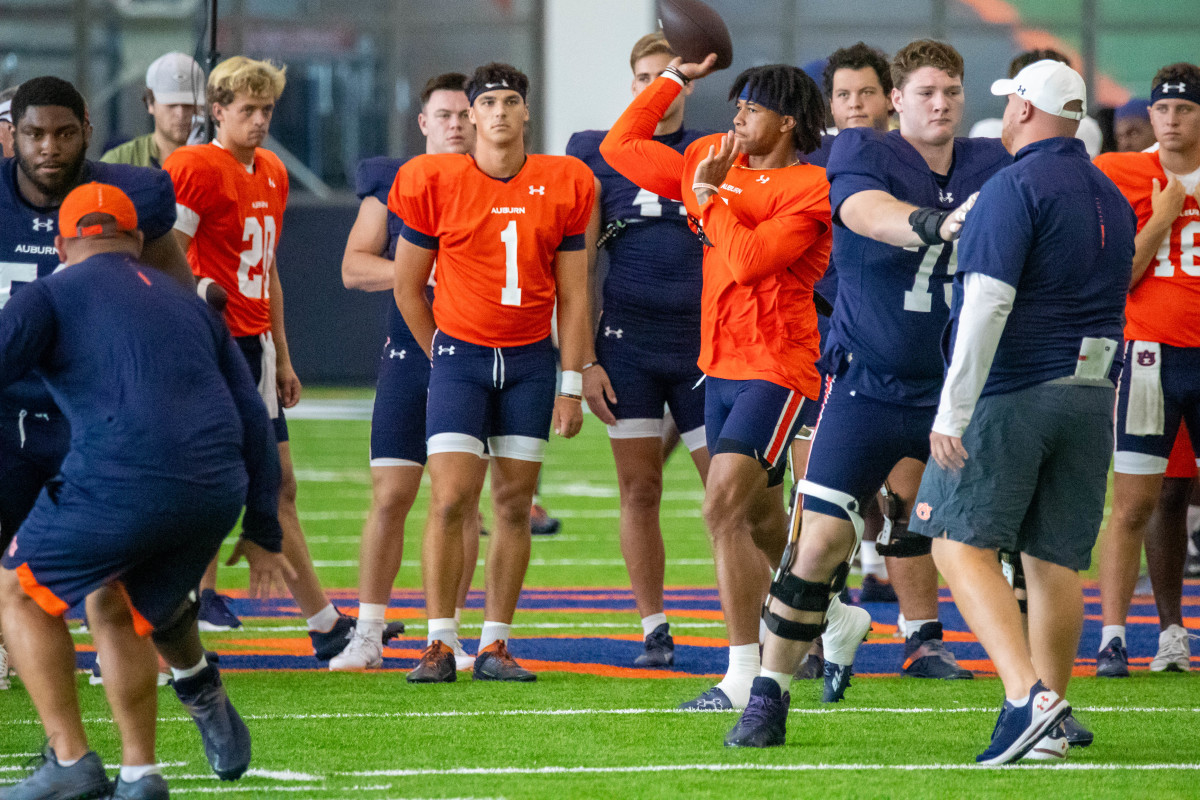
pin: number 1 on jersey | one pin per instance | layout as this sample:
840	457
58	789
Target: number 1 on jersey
510	295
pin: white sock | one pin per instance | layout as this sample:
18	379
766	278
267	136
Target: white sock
444	630
912	626
64	763
651	622
1021	703
743	669
371	612
1110	632
872	562
784	679
324	620
180	674
134	774
493	632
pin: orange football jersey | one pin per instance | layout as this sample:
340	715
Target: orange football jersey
495	240
234	218
770	234
1162	306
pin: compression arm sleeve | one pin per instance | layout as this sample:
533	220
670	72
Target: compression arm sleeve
756	253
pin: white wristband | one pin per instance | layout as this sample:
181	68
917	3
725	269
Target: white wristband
572	383
696	187
202	287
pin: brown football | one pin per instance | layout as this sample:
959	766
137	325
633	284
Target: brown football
694	30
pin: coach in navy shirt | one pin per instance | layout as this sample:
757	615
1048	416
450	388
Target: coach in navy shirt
1023	434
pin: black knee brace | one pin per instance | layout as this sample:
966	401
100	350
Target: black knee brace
894	539
180	622
801	595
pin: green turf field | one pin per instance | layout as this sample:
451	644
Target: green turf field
324	735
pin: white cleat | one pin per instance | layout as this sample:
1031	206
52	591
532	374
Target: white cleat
1051	747
848	627
462	659
1174	651
364	651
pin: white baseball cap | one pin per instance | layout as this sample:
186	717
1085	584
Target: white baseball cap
176	79
1049	85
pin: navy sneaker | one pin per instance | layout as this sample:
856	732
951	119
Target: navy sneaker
812	666
1077	735
1113	660
436	665
926	656
82	780
148	787
495	663
837	680
225	736
215	614
541	523
329	644
764	721
1019	729
713	699
876	590
659	649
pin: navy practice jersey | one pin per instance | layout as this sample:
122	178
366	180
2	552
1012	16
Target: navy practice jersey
893	302
828	285
656	262
374	178
27	243
157	394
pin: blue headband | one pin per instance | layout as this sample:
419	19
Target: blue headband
1178	90
760	98
474	89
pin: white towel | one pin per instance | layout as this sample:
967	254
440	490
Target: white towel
1145	414
266	384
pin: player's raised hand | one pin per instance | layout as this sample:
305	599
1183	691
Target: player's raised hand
599	393
568	416
952	226
1167	202
288	385
269	572
712	170
947	451
695	71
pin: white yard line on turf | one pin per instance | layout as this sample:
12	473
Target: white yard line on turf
409	773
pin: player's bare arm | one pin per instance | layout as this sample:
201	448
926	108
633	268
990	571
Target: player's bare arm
879	216
412	268
1167	204
285	375
597	388
363	267
574	333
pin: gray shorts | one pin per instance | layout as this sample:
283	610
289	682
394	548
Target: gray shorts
1035	478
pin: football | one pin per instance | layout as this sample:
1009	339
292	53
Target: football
693	29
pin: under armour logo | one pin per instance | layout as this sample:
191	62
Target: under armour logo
444	351
43	225
537	190
945	197
1146	358
401	353
610	332
271	182
1174	87
762	179
1042	702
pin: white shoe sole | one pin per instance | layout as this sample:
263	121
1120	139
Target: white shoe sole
355	666
208	627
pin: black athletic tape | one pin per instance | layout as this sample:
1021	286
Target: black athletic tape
838	581
801	595
904	544
927	223
792	631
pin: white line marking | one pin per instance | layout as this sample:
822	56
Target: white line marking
407	773
282	775
533	562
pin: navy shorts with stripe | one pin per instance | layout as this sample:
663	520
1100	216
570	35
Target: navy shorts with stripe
1179	375
32	448
812	411
401	392
859	440
484	392
252	349
755	418
646	375
156	538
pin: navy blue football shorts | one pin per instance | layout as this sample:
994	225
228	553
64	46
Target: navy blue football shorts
1159	386
755	418
32	448
501	396
398	418
646	377
257	357
859	440
155	539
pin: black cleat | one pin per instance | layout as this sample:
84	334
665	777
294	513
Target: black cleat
436	665
926	656
495	663
149	787
83	780
764	721
713	699
329	644
837	681
392	630
225	736
541	523
1077	735
1113	660
876	590
660	649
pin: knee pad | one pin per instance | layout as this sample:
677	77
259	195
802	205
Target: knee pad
895	540
180	622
